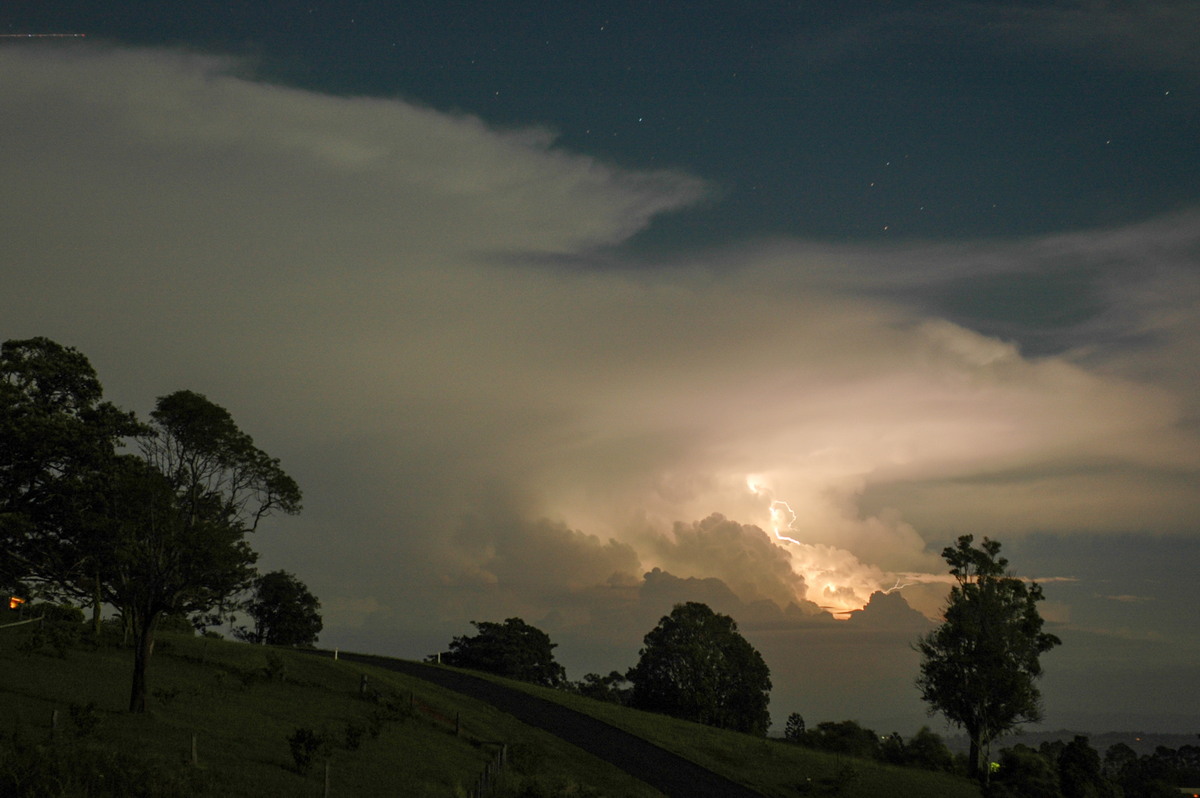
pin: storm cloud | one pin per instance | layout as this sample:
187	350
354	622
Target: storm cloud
495	409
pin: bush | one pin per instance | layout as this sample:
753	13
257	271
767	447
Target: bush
84	717
927	750
276	669
355	731
844	737
305	744
59	630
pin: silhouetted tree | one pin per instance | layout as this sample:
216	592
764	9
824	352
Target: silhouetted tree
793	729
980	666
57	444
844	737
613	688
893	750
1079	771
695	665
1024	773
180	518
513	649
929	751
285	613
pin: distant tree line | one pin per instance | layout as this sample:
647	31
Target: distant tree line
158	533
695	665
1074	769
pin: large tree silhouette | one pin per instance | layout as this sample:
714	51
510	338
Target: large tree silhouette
58	443
180	515
979	668
695	665
513	649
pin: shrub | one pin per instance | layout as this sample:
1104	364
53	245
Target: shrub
84	717
276	669
305	744
355	730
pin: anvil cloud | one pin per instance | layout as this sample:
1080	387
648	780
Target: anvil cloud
494	409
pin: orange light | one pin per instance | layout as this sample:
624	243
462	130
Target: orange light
14	602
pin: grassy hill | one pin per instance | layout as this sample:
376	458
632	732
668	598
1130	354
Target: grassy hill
242	703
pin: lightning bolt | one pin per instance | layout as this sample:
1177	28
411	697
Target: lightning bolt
778	508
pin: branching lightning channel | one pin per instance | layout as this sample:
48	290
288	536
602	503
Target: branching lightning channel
780	508
897	586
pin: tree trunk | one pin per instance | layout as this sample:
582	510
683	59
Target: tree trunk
142	649
96	602
975	756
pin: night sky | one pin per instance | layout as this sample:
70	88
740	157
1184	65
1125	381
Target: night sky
547	306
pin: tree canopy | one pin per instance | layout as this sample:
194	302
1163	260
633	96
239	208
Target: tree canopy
285	613
696	666
58	441
979	668
183	515
155	534
513	649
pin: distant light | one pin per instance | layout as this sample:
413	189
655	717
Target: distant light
14	602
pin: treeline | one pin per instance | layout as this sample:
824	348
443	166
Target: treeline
1076	770
1055	769
695	665
158	532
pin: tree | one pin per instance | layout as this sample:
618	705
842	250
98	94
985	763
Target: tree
1025	773
696	666
285	613
844	737
1080	772
58	440
613	688
927	750
180	515
979	668
793	730
513	649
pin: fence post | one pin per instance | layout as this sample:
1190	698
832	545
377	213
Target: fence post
195	756
362	685
54	721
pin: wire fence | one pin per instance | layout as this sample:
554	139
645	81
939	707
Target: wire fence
492	777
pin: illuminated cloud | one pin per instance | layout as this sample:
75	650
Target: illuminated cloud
494	410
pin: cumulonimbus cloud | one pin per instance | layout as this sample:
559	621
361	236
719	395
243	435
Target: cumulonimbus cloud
402	304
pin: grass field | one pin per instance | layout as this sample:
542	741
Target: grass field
772	767
242	703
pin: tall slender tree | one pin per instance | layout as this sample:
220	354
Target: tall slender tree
980	667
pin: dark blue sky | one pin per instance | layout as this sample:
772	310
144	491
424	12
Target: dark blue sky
835	121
